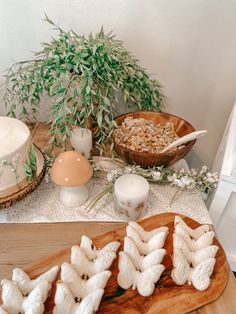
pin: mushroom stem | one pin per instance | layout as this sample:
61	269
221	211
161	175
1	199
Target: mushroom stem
73	196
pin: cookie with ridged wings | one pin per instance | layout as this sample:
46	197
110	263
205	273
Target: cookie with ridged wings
14	302
92	252
26	284
80	287
85	267
154	243
142	262
129	276
66	303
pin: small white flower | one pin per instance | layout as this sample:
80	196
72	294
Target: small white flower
3	162
16	160
156	175
204	170
128	170
111	176
170	178
193	172
210	180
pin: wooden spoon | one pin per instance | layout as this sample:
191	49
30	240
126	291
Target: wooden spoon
184	139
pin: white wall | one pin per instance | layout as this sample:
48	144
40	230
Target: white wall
189	45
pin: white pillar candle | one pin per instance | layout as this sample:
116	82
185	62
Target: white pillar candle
130	194
81	140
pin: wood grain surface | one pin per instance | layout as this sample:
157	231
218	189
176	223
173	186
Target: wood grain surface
69	233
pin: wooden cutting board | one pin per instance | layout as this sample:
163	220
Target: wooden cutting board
167	298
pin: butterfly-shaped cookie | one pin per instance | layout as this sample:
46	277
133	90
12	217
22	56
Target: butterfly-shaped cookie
26	284
154	243
142	262
181	268
14	302
193	233
83	281
200	275
92	252
146	235
67	303
196	244
129	276
194	257
79	287
87	268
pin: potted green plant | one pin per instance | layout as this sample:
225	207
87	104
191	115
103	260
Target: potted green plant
82	76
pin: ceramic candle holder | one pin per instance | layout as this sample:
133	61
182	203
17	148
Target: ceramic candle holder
81	140
130	196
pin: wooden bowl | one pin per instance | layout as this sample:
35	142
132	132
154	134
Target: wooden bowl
146	160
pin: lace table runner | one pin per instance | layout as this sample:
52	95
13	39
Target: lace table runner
43	205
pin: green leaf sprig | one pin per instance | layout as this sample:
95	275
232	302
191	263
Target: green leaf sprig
31	165
82	76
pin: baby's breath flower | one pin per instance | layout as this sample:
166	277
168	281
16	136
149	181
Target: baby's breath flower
111	176
128	170
156	175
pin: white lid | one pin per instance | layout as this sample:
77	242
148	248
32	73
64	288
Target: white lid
13	134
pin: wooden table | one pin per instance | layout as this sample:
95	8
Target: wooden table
22	244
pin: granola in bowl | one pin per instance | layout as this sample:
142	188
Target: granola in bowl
143	135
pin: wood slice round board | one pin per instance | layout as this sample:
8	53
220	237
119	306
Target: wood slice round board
17	193
167	297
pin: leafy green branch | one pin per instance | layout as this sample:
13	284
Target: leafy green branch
82	76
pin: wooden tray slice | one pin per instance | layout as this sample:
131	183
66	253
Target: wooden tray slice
17	193
167	298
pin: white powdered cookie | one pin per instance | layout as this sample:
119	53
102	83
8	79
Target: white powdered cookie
83	281
144	281
92	252
79	287
154	243
26	284
67	304
14	302
26	295
193	233
85	267
142	262
146	235
194	255
181	268
196	244
200	276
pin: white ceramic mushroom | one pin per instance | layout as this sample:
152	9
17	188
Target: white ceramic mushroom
72	171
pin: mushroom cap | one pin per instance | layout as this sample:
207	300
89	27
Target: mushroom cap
71	169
